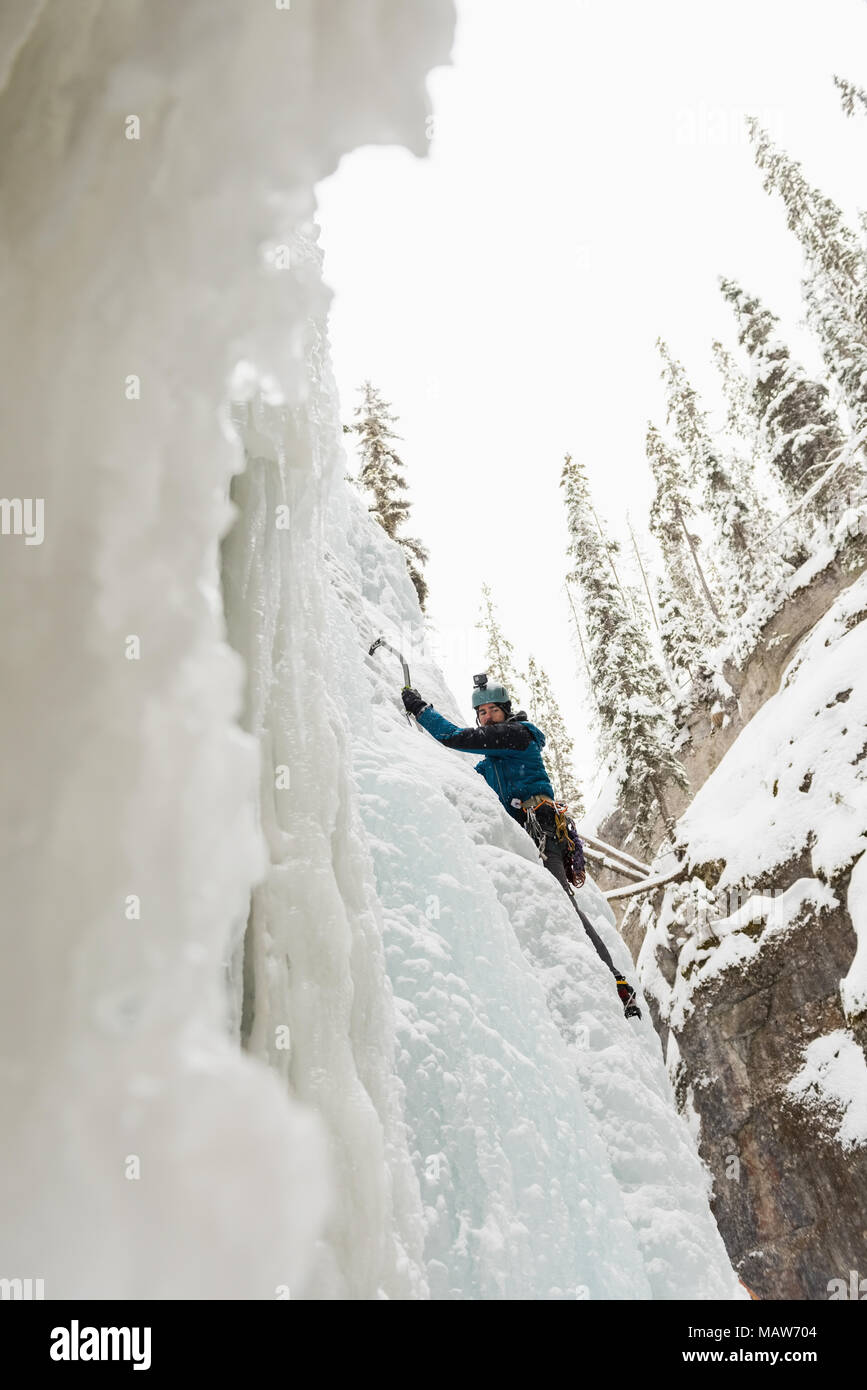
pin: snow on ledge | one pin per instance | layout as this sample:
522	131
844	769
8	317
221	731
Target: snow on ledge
716	944
834	1077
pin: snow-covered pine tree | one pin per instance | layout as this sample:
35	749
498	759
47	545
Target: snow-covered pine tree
534	689
836	285
684	648
381	473
416	556
740	420
612	551
585	673
381	469
851	97
500	657
642	569
854	102
545	714
797	420
844	350
630	689
829	244
760	487
688	626
844	345
746	569
670	514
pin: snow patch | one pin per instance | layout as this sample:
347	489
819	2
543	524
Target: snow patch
853	989
707	943
792	777
833	1082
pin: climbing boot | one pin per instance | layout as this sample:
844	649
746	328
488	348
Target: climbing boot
627	998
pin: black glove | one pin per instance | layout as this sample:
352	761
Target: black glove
412	701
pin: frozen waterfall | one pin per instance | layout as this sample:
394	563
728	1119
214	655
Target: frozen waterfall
289	1007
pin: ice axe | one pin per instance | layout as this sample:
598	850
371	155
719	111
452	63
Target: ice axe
407	683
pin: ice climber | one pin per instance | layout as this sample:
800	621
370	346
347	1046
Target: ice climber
513	768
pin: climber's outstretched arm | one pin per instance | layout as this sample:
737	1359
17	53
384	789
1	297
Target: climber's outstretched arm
488	738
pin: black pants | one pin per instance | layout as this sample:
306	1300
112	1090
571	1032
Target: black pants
553	852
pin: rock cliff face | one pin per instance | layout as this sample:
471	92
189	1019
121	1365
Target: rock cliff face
753	959
789	1198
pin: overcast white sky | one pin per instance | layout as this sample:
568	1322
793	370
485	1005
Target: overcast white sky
589	178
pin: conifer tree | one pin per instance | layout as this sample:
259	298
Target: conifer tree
670	513
534	689
796	417
760	487
844	349
851	97
586	675
844	346
683	646
745	568
844	353
416	555
629	686
688	621
677	633
545	714
740	421
381	474
642	569
829	244
500	656
836	284
854	102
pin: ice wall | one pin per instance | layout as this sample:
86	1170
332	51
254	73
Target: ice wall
158	159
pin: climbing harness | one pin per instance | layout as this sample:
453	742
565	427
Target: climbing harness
564	829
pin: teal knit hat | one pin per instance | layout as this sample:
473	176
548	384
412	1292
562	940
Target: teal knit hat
491	695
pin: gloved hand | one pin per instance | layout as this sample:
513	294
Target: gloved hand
412	701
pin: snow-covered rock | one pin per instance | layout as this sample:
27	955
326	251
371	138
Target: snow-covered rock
755	963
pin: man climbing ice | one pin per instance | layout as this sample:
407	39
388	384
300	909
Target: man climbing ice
514	769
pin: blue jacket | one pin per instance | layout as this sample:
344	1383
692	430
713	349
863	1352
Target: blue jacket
512	766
